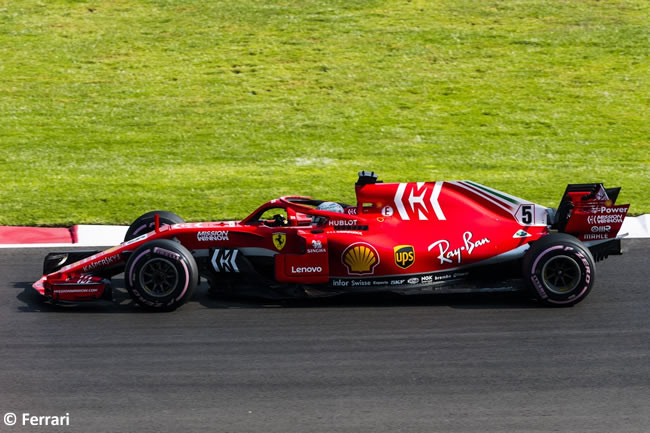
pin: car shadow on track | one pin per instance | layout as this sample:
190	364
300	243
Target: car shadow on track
387	300
32	302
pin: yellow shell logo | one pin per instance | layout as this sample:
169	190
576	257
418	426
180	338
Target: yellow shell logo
360	259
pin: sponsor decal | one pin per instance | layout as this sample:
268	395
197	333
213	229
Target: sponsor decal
351	227
212	236
448	254
595	236
605	219
351	210
349	232
521	234
306	270
360	283
444	277
404	256
538	286
342	223
621	209
387	211
360	259
225	260
83	279
431	279
279	240
380	219
608	215
587	267
64	290
419	201
316	247
601	229
106	261
167	253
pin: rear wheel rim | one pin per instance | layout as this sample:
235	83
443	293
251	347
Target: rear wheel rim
158	277
561	274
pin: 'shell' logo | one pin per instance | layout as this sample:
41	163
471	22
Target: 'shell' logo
360	259
404	256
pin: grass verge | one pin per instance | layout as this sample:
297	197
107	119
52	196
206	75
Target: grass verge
112	109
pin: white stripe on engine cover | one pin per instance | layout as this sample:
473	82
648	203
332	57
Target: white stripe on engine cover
398	202
483	195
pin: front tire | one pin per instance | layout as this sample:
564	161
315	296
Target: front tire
559	270
161	275
146	223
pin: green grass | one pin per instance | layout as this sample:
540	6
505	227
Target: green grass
109	109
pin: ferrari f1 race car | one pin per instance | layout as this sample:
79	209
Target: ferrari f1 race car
410	238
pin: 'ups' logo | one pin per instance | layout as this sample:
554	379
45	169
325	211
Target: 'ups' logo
404	256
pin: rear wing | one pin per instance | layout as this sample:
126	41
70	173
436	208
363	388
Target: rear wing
589	212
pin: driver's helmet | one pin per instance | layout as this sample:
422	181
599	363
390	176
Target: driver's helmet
330	206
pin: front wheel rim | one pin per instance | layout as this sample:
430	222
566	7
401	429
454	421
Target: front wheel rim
158	277
561	274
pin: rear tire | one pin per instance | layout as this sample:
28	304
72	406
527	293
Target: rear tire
146	223
161	275
559	270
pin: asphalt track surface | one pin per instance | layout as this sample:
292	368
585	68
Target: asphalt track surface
356	364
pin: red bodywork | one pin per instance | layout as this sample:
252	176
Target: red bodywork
404	232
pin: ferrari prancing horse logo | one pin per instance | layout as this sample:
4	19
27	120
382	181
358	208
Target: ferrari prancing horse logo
279	240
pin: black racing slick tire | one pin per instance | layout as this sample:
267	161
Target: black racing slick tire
161	275
147	222
559	270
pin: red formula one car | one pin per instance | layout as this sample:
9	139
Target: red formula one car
420	237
